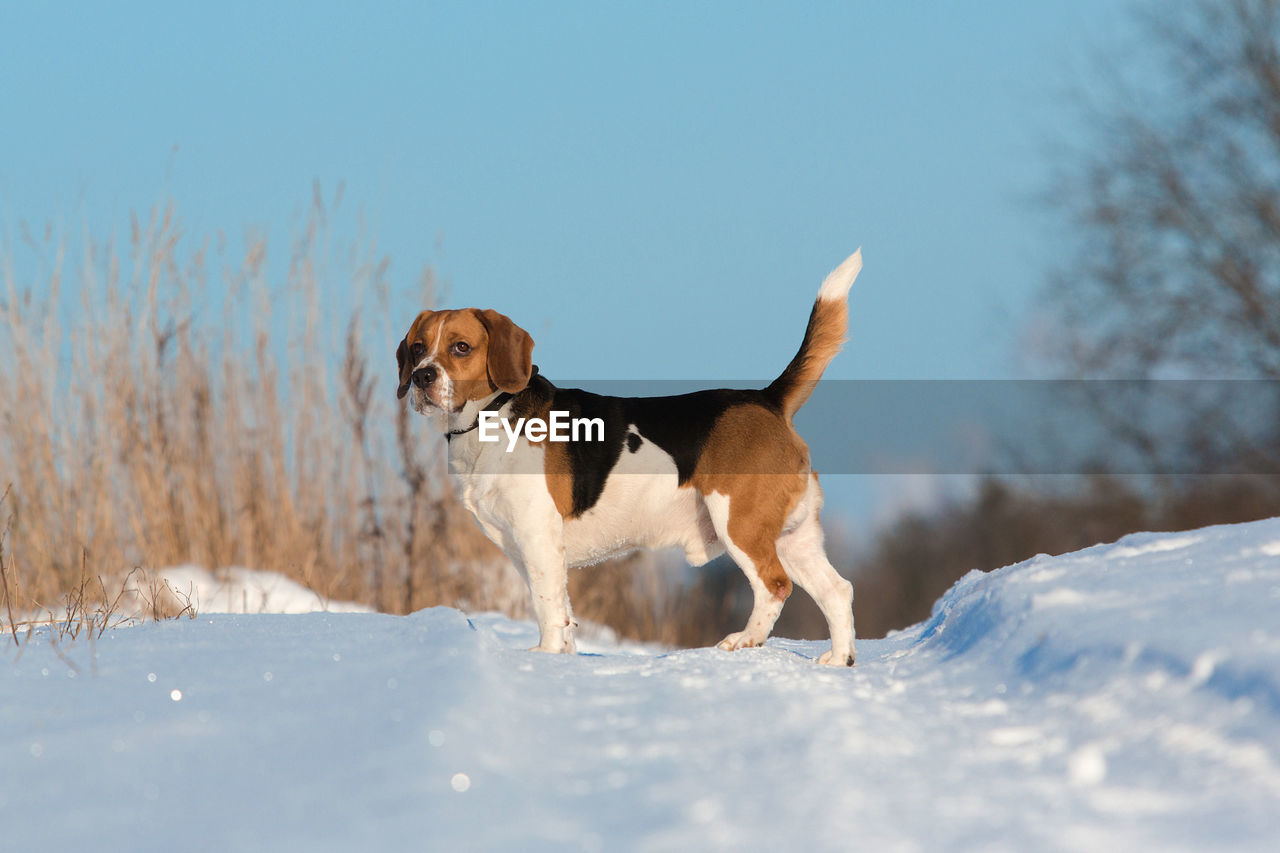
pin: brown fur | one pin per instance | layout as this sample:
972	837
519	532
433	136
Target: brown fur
509	356
756	440
560	478
823	338
556	466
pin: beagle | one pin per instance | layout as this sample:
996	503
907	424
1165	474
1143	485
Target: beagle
709	472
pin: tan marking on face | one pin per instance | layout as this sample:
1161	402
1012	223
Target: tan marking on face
755	458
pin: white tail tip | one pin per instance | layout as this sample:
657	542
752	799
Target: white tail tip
836	285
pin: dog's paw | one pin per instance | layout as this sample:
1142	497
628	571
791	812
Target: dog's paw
563	649
740	640
830	658
559	642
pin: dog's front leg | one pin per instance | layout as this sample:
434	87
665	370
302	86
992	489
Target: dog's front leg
548	582
539	546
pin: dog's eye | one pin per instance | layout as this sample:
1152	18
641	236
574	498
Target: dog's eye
417	351
461	348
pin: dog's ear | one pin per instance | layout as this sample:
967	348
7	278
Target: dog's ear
402	359
510	352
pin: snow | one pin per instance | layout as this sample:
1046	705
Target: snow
1123	697
240	590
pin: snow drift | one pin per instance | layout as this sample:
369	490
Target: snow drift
1123	697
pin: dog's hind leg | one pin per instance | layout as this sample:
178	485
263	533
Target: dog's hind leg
756	554
806	560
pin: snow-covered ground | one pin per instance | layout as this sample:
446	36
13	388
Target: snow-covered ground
1126	697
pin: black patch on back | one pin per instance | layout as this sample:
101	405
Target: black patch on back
591	461
679	425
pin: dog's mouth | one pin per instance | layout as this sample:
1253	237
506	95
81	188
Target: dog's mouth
424	403
427	403
442	398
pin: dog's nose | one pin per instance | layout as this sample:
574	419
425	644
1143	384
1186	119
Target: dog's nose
424	376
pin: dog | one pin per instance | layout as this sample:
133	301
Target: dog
711	471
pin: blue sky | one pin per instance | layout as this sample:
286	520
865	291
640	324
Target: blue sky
654	190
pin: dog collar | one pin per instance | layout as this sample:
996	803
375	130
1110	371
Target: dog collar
497	403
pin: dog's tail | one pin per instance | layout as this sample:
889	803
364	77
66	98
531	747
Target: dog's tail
822	338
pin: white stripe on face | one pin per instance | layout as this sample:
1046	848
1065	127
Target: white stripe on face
440	393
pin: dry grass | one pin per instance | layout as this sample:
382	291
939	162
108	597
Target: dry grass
91	606
139	432
176	400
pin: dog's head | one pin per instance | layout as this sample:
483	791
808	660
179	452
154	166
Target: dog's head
449	358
